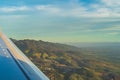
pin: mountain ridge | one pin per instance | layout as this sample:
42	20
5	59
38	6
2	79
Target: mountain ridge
64	62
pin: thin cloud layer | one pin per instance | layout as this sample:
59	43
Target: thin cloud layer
14	9
105	8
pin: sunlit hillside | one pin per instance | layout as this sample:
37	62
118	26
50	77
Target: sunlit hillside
64	62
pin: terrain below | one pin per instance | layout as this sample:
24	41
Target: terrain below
64	62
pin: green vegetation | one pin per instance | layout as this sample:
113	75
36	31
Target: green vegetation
64	62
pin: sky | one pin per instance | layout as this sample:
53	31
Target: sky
61	20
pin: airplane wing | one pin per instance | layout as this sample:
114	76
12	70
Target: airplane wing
14	65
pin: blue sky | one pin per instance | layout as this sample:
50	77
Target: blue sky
61	20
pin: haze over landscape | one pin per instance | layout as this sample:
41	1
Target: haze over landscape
61	20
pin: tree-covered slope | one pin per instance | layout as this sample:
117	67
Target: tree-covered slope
64	62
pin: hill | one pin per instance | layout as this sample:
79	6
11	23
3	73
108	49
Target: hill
64	62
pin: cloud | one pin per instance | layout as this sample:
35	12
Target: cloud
114	28
78	10
102	9
12	17
14	8
47	8
113	33
112	3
